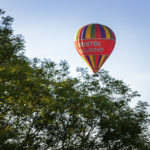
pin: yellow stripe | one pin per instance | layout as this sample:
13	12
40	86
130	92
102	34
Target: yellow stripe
76	36
86	61
106	32
88	32
91	58
103	56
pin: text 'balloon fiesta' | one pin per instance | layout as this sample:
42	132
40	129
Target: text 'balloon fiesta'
94	43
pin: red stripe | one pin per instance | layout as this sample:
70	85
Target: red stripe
98	32
79	35
97	56
89	62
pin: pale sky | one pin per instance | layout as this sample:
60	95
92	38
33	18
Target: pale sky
49	27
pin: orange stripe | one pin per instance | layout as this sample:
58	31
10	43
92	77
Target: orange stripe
88	32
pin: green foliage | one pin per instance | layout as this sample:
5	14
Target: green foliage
43	107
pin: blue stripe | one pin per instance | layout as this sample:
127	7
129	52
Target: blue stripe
89	60
103	35
84	32
99	59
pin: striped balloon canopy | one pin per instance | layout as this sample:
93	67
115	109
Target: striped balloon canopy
94	43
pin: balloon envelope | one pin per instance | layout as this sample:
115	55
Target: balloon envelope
94	43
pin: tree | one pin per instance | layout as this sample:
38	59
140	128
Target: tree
43	107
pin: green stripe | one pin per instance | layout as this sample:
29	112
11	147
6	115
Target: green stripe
77	35
94	59
93	32
110	32
104	60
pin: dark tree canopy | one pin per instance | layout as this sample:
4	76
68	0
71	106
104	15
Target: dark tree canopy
43	108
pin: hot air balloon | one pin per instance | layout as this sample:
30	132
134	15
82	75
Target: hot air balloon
95	43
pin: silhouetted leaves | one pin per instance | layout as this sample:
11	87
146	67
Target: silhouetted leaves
43	107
